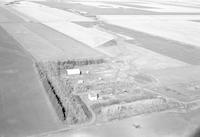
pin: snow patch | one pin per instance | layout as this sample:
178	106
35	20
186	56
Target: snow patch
125	37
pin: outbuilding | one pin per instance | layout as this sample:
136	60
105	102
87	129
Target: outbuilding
73	72
93	96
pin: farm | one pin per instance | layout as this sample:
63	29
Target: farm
92	91
99	68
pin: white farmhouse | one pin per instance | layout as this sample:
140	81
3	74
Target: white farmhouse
93	96
73	71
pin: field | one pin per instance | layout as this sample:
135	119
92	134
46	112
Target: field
25	109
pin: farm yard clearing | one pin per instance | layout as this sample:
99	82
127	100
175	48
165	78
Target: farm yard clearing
100	63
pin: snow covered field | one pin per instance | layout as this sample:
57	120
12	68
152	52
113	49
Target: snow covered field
170	27
89	36
61	21
180	28
101	4
150	6
157	7
47	14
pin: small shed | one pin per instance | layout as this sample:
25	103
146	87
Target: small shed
73	71
93	96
